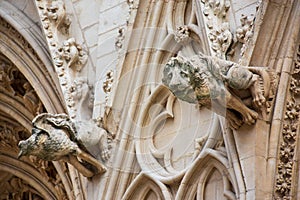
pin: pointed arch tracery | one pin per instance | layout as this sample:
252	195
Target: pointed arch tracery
143	187
209	178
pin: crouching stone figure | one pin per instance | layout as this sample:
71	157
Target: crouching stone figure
219	85
56	137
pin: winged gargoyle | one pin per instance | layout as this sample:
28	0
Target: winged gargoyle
55	137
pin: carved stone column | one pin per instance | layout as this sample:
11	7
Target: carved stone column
267	151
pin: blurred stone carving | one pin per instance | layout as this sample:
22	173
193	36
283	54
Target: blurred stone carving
120	38
31	99
295	86
11	79
133	6
16	188
218	85
182	34
215	16
6	79
80	95
13	82
72	54
53	13
245	32
218	7
56	137
221	39
107	84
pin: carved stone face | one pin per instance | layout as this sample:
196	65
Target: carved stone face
26	147
176	77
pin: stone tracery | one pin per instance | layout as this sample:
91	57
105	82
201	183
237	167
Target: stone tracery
148	143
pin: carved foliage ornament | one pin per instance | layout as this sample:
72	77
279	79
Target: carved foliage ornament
285	166
182	34
220	37
13	82
16	188
215	84
68	55
55	137
245	32
54	15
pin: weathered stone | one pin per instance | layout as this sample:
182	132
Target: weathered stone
102	63
209	81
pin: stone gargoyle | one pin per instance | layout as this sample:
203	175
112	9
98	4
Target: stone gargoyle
219	85
55	137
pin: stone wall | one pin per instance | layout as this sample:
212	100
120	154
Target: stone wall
102	63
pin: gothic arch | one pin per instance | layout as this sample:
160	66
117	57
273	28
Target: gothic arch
22	44
16	109
144	187
161	118
202	174
26	172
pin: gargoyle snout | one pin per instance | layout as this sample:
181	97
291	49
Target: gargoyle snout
21	146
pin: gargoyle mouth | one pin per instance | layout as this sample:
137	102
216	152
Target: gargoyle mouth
21	153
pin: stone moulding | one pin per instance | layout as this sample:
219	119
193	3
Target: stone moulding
287	149
22	49
69	57
55	137
214	15
245	32
13	82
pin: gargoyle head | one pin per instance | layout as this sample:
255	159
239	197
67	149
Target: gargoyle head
50	133
182	77
26	147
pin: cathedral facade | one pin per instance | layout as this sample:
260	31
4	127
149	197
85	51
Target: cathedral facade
158	99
